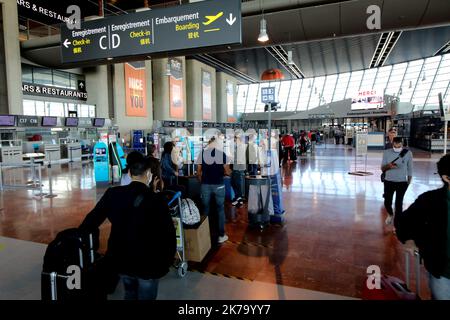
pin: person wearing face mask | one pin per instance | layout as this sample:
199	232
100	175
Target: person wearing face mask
397	165
142	242
392	133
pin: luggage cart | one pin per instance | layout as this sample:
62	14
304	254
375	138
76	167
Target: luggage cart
175	210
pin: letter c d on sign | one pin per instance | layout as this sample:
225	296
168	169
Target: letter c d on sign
101	43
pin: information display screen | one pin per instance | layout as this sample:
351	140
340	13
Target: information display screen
7	121
99	122
71	122
49	121
100	151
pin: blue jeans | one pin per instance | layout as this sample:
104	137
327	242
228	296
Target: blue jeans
208	190
238	183
440	288
140	289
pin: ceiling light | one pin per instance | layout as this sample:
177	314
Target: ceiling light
168	72
290	61
410	84
263	37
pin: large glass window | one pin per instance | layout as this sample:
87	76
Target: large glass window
418	82
29	108
426	79
253	94
396	78
43	76
40	108
57	109
27	74
328	90
49	77
293	96
242	98
354	84
283	95
341	86
308	87
61	79
317	93
382	78
369	79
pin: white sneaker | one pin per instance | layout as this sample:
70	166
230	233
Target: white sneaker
236	201
389	220
223	239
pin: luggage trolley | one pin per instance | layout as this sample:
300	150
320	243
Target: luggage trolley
175	210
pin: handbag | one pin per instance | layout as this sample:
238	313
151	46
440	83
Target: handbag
190	214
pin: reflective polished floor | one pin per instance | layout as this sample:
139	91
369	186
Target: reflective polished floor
334	226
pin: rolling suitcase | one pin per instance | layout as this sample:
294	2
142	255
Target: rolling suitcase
260	203
392	288
68	272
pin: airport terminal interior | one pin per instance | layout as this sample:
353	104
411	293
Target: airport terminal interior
318	88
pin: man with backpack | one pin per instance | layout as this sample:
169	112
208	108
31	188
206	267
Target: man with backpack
397	168
142	243
427	223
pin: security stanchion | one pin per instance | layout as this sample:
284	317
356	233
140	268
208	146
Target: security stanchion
41	192
50	181
1	177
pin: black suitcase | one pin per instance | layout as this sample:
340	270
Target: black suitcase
262	218
70	255
192	186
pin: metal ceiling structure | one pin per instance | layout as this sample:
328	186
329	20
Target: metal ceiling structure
326	37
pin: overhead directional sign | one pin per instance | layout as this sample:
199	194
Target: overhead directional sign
203	24
268	94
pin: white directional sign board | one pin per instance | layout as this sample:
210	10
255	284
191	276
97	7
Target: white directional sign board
203	24
268	94
361	144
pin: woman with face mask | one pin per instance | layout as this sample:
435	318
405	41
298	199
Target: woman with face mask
397	165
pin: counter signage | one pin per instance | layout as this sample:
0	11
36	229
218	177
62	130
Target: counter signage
197	25
169	124
85	122
190	124
46	91
27	121
181	124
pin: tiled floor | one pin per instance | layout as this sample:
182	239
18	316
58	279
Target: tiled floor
21	261
334	223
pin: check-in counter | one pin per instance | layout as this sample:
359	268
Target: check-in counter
437	145
51	151
11	151
71	151
375	140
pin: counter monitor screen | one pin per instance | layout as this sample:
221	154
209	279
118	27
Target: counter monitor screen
49	121
99	122
100	151
71	122
7	121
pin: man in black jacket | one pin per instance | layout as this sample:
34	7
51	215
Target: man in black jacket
427	223
142	243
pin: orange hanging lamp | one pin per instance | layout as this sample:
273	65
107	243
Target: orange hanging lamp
272	74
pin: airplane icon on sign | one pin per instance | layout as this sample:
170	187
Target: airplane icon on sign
211	19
